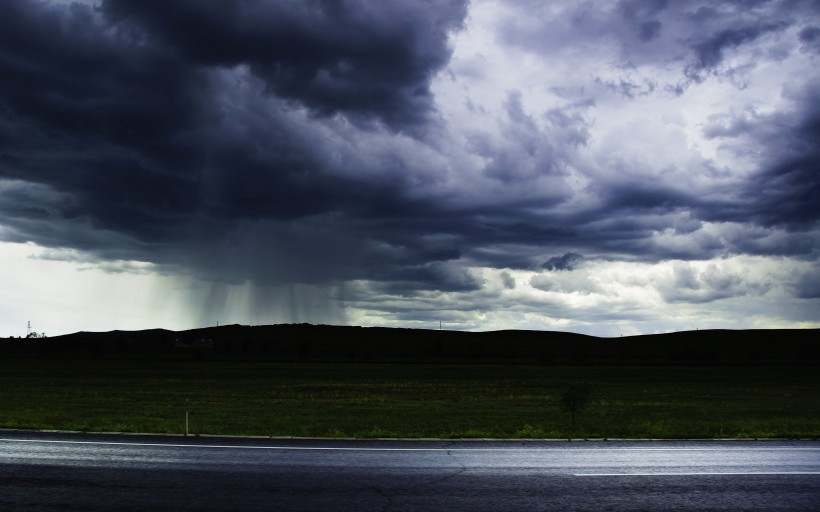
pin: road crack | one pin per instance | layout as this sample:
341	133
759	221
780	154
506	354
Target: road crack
390	495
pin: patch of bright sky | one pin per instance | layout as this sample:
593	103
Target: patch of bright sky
61	292
60	296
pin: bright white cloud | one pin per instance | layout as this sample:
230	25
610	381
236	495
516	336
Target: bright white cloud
611	298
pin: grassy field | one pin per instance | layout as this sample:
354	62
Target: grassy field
386	400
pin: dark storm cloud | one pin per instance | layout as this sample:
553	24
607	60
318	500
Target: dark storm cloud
507	281
784	191
567	261
808	285
333	56
792	184
722	29
788	192
131	132
268	141
406	280
88	117
810	37
641	15
709	52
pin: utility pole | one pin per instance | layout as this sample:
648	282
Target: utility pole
28	329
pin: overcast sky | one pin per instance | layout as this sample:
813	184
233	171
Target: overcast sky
597	167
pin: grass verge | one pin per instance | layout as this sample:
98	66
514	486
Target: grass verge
394	400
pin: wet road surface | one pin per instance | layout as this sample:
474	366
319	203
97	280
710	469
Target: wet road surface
41	472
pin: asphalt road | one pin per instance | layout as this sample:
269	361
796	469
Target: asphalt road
113	473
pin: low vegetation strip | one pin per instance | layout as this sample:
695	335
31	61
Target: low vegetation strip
407	400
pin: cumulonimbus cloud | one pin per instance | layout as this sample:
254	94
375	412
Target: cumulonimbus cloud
307	142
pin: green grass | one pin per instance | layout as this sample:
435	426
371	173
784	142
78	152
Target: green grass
386	400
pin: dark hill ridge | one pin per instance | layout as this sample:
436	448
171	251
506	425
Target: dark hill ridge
324	343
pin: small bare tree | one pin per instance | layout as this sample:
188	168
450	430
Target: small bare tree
575	399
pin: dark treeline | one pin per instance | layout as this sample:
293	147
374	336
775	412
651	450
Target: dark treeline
320	343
